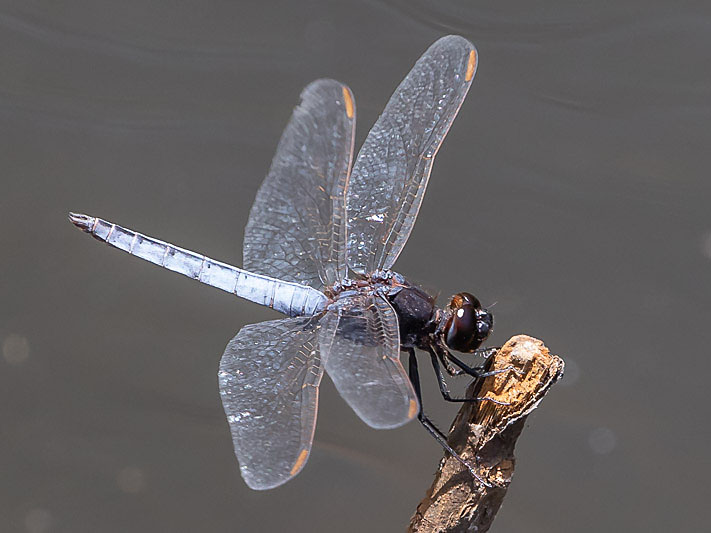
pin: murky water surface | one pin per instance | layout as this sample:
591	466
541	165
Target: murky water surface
573	190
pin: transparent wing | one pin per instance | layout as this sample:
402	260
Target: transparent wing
360	341
269	378
390	175
296	229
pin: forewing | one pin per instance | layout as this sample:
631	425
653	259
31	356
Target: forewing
360	341
269	378
296	229
390	175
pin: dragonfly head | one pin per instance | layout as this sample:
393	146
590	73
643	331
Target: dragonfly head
467	324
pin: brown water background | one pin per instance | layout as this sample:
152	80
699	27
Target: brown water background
573	190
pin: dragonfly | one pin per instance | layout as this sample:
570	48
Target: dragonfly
322	237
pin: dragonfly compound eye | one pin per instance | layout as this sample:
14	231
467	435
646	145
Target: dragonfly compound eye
468	325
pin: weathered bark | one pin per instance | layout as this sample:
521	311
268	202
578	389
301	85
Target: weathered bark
485	433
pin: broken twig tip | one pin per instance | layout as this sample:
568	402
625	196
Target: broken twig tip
485	433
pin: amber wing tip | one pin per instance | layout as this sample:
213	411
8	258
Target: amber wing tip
471	65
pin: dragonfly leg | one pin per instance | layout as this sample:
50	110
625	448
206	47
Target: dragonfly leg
443	384
430	427
487	352
448	366
455	371
473	371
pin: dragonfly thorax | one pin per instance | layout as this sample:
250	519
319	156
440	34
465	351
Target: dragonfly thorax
416	311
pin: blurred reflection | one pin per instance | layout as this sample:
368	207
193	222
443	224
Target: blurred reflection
602	440
131	480
38	520
15	349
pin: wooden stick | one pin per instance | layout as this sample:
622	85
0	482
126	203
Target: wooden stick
484	433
